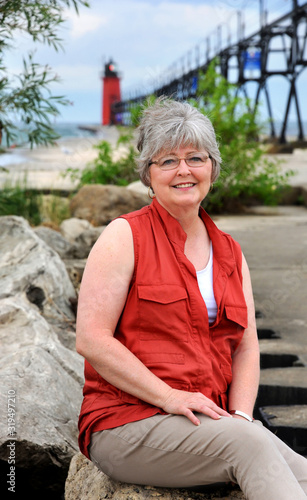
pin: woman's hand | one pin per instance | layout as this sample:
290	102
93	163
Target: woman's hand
185	403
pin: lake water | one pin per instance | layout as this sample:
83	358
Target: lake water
63	130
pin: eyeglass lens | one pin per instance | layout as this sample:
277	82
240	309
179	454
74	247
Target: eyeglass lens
193	160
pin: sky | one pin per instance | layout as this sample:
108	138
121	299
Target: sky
144	38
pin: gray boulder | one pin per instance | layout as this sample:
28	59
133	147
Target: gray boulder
77	242
100	204
33	270
43	380
86	482
56	241
73	227
139	187
40	377
85	241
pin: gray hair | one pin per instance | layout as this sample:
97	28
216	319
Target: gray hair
168	124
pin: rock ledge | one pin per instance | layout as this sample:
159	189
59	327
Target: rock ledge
86	482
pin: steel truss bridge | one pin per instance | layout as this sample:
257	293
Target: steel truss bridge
286	37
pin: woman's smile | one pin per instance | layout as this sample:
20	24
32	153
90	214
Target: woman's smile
184	185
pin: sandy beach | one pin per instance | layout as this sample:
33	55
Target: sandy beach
43	167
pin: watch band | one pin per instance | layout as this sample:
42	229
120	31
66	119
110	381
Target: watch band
241	414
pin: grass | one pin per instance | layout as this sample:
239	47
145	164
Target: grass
37	208
22	201
54	209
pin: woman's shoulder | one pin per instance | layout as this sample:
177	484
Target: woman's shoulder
121	232
116	237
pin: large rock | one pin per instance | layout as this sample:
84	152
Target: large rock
41	391
89	237
139	187
77	242
41	379
100	204
86	482
85	241
73	227
56	241
33	270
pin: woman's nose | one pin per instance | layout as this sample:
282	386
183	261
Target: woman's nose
183	167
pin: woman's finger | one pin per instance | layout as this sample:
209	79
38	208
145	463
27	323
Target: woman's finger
208	407
190	415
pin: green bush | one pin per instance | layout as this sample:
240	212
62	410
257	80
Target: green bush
104	169
247	174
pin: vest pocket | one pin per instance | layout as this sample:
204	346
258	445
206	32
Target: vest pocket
163	312
237	314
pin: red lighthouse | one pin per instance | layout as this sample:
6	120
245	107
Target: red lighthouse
111	93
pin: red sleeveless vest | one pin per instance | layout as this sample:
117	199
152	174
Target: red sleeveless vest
165	321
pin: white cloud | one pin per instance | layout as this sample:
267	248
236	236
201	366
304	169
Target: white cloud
78	77
85	23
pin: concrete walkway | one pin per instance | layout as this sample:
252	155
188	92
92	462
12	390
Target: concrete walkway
275	247
274	242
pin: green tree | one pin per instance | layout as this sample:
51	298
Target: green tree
26	98
247	173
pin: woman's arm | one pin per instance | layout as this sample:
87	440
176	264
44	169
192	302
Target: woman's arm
102	297
245	363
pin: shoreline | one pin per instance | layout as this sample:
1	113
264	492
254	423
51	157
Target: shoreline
43	167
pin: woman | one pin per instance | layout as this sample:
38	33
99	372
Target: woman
166	324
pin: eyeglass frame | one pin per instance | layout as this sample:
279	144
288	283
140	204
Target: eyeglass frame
209	157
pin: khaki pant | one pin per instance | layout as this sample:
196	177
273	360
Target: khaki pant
169	451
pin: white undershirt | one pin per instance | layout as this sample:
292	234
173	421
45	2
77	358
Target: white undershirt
205	283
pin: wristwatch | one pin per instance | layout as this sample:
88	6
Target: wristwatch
241	414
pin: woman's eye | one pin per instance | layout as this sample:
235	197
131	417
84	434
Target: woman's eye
195	159
168	162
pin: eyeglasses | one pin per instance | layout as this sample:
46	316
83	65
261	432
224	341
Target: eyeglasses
192	160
